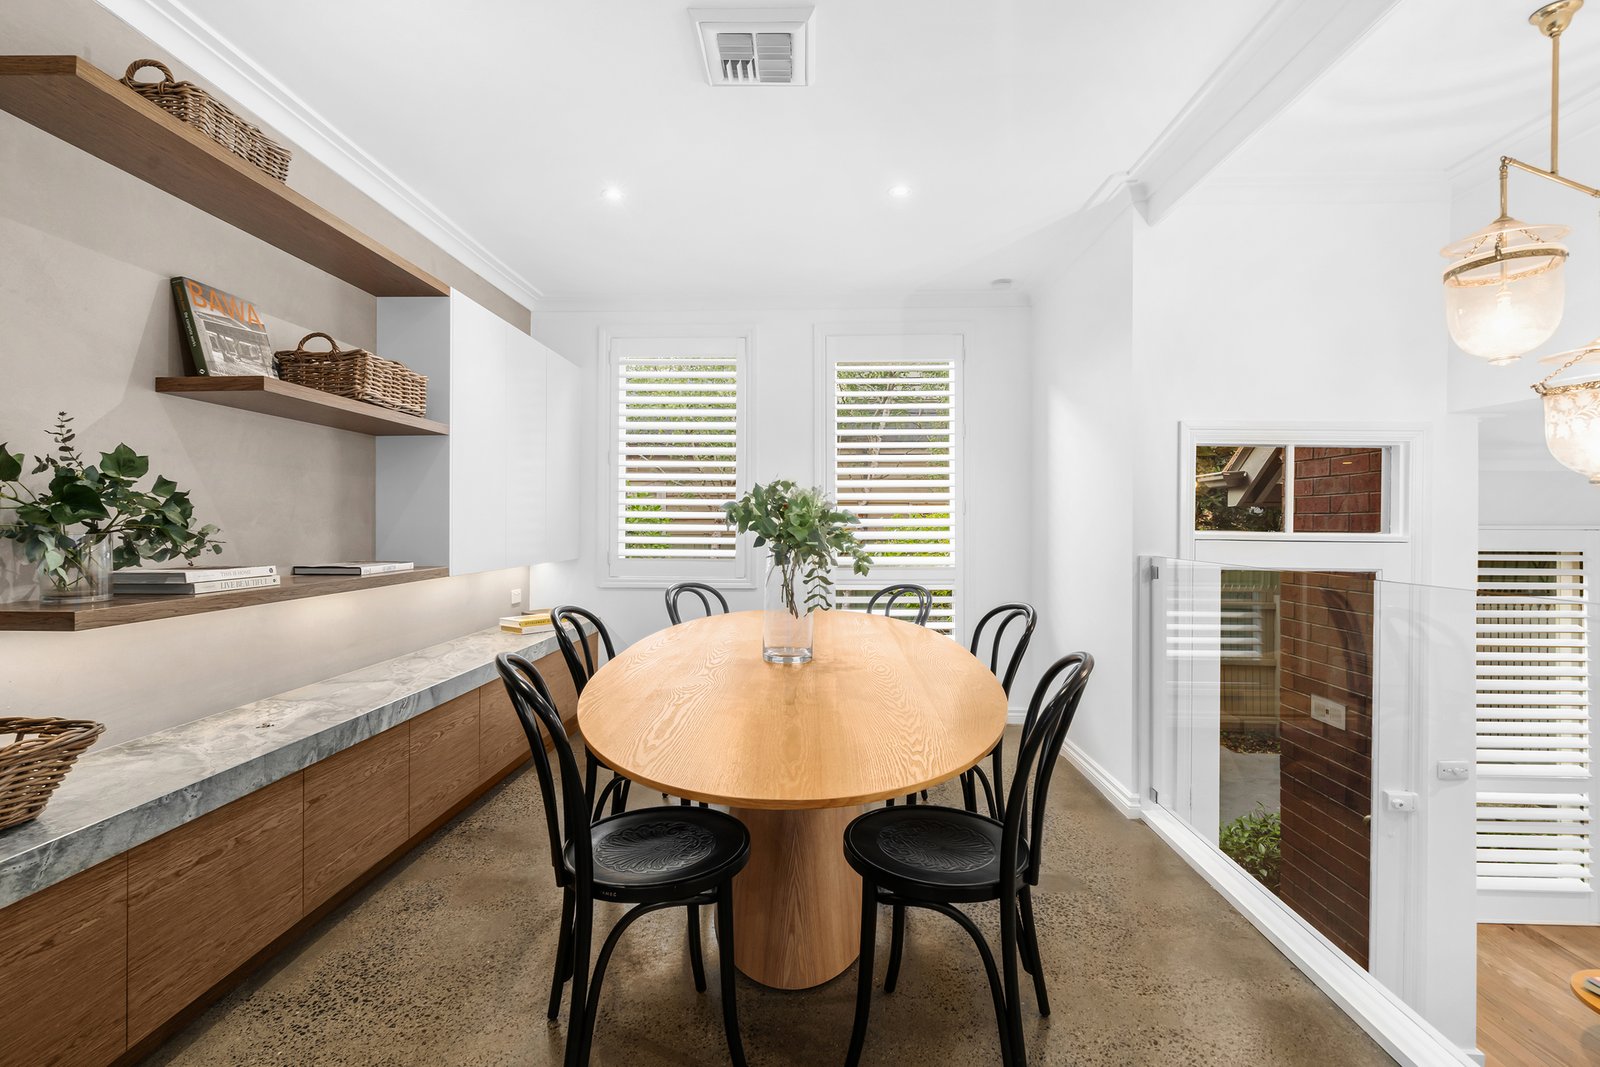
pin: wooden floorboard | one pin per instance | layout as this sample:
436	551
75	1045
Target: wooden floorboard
1527	1015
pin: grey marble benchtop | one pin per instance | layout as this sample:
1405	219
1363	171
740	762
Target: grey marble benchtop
130	793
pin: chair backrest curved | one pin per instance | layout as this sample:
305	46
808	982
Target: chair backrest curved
889	595
581	659
706	593
1004	616
566	810
1044	730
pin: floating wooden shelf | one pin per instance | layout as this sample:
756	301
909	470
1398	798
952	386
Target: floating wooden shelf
273	396
121	610
86	107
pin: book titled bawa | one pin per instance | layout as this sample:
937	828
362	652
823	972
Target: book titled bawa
222	333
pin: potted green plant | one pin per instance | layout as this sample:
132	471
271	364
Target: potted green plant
806	536
89	519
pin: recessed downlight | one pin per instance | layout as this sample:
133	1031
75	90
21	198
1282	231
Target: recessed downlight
900	191
612	194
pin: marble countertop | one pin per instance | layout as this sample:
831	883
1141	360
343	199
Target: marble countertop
130	793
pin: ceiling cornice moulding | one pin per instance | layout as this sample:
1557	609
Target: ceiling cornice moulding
1292	45
924	300
191	41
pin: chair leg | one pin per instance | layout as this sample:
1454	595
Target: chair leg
869	938
1002	1022
969	791
1008	968
619	799
558	981
695	963
1030	932
582	928
897	939
730	1000
997	799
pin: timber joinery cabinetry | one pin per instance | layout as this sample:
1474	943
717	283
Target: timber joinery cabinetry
495	493
116	955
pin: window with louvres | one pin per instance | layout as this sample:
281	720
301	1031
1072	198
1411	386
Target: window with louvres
677	455
894	461
1533	657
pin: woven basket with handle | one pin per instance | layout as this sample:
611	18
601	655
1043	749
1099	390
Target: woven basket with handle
33	763
190	104
357	374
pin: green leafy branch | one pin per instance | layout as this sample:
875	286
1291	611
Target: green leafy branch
807	536
84	505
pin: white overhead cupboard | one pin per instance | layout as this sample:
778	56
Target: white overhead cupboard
493	494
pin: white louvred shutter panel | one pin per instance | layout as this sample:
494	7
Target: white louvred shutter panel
894	452
677	456
1532	663
1533	659
941	617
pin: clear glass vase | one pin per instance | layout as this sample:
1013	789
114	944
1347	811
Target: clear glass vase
84	576
786	629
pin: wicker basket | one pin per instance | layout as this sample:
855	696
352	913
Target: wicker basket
357	374
190	104
33	764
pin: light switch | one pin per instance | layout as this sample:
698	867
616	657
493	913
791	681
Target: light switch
1454	770
1326	711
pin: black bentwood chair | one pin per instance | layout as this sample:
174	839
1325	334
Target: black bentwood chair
653	858
568	621
1004	616
706	593
934	857
890	595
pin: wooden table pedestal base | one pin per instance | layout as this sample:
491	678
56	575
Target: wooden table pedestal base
797	906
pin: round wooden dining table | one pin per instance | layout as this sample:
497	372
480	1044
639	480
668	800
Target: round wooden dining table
884	709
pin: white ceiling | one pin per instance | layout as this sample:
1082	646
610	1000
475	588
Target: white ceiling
1438	86
511	116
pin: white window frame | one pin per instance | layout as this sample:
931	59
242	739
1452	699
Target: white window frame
735	342
859	342
1401	486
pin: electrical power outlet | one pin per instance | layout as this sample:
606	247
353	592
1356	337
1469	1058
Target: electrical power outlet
1326	711
516	598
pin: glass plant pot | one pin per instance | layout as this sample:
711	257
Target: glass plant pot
786	628
84	576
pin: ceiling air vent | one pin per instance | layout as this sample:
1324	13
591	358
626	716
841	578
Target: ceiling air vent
755	45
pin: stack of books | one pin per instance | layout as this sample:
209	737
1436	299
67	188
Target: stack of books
361	568
190	581
535	622
1591	984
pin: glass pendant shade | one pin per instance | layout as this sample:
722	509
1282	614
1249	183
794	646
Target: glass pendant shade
1505	288
1572	426
1572	414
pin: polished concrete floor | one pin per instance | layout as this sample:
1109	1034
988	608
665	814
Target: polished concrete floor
446	960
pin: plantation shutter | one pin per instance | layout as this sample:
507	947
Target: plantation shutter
894	458
677	454
941	616
1533	714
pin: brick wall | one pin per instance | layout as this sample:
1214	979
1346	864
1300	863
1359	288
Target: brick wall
1325	789
1338	490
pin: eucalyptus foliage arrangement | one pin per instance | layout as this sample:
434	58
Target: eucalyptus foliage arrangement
807	535
84	505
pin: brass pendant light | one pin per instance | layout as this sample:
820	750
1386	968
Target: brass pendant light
1504	293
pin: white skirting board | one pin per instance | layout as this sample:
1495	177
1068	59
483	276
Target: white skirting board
1404	1034
1122	798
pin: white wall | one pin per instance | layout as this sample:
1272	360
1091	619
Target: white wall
1083	486
1254	306
786	420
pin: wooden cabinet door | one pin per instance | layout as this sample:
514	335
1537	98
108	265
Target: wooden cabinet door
444	759
64	972
504	743
357	812
204	898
